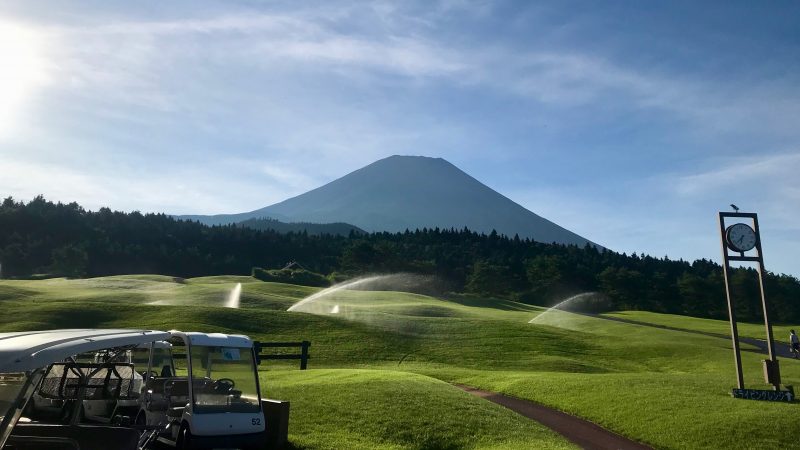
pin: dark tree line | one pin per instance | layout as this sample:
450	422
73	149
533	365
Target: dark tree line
41	237
337	228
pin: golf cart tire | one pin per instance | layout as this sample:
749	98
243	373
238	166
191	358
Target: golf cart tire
185	441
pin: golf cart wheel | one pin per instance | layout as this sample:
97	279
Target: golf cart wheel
184	438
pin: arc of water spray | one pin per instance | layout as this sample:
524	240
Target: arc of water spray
234	296
332	289
558	305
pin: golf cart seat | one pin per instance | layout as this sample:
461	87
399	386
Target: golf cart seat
174	387
166	372
175	412
177	388
167	392
87	437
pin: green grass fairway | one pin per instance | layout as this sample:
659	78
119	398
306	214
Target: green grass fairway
380	362
750	330
384	409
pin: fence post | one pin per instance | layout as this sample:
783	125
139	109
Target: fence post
257	351
304	355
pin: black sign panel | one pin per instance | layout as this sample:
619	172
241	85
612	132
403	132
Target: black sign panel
756	394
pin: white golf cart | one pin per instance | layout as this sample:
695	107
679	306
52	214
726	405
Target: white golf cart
43	362
200	391
203	392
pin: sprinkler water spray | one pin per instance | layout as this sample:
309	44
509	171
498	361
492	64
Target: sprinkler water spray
234	296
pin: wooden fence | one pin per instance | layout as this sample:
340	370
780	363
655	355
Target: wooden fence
303	356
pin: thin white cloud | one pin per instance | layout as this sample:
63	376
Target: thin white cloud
400	55
572	79
777	171
190	190
287	176
152	65
133	62
768	185
238	23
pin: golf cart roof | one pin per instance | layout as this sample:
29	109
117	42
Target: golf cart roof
29	350
214	339
156	344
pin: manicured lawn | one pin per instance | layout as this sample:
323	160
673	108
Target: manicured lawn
378	361
385	409
751	330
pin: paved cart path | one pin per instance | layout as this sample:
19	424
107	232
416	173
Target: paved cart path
586	434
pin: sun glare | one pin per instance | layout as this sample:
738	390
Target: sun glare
21	71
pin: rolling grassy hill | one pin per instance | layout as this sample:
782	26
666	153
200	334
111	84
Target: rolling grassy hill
367	409
378	365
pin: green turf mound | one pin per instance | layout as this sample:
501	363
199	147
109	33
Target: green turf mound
382	409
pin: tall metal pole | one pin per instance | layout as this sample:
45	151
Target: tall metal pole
731	310
767	324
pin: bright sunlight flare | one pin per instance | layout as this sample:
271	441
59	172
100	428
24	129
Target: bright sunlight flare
22	71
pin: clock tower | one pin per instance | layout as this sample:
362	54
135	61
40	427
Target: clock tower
741	242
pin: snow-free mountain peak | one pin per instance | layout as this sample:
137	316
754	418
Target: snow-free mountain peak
410	192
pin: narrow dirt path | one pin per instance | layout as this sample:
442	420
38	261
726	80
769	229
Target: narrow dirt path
586	434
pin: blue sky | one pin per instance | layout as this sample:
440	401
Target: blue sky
630	123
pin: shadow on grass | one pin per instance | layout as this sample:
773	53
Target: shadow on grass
76	318
14	293
490	302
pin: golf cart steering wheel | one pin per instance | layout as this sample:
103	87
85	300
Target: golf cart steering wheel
223	384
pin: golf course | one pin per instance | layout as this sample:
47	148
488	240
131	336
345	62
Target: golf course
399	225
384	364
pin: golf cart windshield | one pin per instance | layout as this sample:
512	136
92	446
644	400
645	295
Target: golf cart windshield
224	380
11	385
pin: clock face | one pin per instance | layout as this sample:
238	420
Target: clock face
741	237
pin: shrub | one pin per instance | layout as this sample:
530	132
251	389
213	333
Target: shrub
291	276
